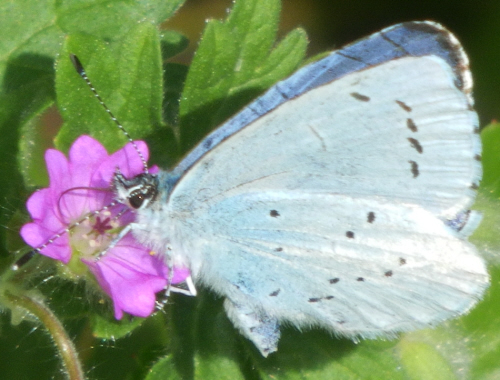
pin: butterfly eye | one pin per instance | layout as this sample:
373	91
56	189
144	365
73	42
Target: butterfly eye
139	196
136	200
138	191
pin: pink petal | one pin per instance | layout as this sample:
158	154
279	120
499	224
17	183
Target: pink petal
35	235
131	277
127	160
38	203
79	152
86	155
58	168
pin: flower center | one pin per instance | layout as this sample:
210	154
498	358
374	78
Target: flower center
101	226
94	235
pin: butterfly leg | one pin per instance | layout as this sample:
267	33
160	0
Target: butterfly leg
190	291
163	295
262	329
115	241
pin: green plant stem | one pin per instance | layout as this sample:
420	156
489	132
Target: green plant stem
64	345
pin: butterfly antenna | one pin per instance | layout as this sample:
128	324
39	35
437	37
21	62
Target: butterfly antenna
87	188
29	255
81	71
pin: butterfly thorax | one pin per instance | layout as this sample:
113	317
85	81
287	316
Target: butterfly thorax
155	226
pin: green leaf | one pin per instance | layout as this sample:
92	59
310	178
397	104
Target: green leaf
33	40
172	43
423	360
315	354
164	369
165	142
217	343
111	19
128	77
108	328
131	356
490	136
204	343
483	323
488	201
37	139
217	367
234	63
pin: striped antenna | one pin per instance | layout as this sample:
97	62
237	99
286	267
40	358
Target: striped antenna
81	71
27	257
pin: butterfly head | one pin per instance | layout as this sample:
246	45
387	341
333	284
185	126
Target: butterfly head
137	192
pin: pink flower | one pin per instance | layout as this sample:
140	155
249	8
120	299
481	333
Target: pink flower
129	273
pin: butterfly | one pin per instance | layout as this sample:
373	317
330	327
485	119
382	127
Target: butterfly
340	198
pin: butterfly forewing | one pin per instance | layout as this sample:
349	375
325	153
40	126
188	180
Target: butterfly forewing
353	136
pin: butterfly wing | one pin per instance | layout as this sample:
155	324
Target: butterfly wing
333	209
409	39
345	207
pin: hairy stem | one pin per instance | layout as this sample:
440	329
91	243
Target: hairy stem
64	345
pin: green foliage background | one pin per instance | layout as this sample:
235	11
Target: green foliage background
128	58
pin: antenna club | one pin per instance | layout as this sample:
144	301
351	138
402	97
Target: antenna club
24	259
77	64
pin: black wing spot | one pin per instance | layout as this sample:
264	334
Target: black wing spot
360	97
403	105
416	144
478	157
350	234
274	213
414	169
388	273
474	186
411	125
279	249
334	280
402	261
371	217
360	279
275	293
314	299
329	297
